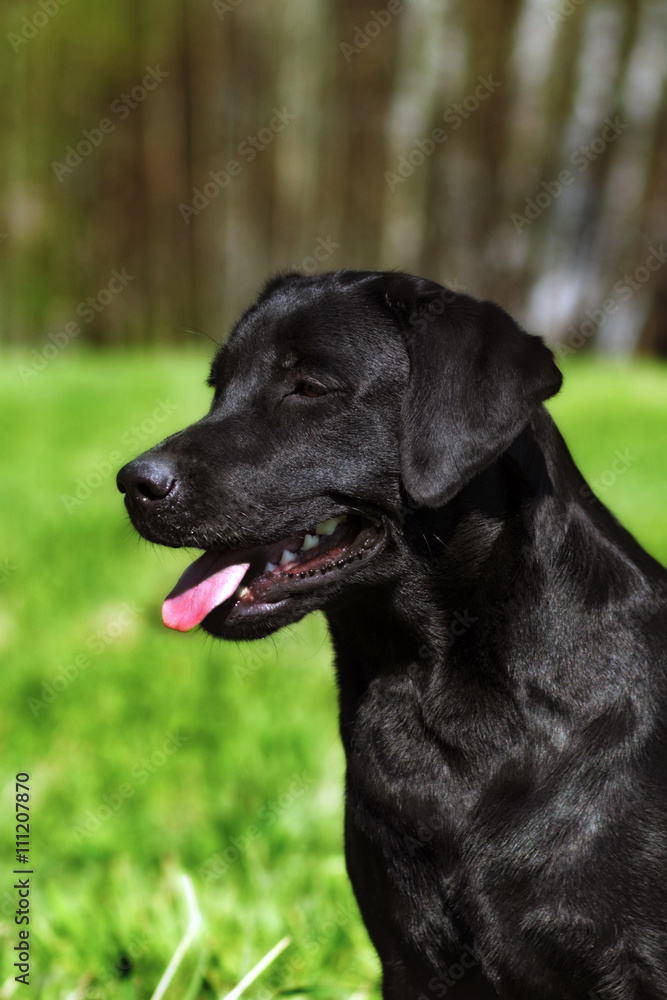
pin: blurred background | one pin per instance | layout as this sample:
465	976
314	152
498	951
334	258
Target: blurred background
158	162
517	148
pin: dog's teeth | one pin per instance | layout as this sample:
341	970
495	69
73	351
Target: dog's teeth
244	591
286	557
269	568
328	527
309	542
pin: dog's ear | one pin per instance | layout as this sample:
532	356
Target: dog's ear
475	379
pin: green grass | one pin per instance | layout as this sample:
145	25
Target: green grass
256	768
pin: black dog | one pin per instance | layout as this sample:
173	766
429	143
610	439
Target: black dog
377	448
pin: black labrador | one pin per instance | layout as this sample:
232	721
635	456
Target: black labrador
377	447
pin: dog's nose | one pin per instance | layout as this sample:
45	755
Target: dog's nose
146	481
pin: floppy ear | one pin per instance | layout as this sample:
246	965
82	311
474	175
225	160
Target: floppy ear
475	379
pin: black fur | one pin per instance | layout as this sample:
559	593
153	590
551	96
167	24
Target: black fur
501	659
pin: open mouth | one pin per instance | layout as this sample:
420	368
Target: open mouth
256	580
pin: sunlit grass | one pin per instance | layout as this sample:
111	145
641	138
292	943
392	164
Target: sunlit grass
153	754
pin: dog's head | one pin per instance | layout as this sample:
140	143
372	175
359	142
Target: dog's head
340	401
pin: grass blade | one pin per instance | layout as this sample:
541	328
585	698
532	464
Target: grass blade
258	969
186	940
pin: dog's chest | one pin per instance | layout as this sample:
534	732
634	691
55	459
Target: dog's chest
402	792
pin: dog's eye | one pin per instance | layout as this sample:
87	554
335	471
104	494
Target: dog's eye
310	388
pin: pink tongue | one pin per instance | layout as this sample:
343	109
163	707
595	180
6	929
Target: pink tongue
199	590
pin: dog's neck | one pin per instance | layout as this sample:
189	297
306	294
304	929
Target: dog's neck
475	575
446	557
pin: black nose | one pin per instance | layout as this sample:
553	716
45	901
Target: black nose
146	480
